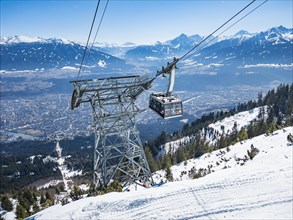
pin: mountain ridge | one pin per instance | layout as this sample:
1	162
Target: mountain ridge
277	38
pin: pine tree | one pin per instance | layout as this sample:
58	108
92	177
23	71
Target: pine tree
234	129
61	187
272	127
271	114
57	191
166	161
242	135
23	202
6	204
169	175
48	197
27	194
36	208
20	212
43	200
75	193
180	155
222	142
290	138
92	189
259	99
152	163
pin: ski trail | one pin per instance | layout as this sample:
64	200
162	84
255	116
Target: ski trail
61	166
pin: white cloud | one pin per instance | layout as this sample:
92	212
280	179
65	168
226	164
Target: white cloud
269	65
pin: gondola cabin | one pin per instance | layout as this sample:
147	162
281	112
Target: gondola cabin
166	107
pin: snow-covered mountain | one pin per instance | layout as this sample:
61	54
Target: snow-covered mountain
25	53
117	50
235	188
244	58
243	46
174	47
272	46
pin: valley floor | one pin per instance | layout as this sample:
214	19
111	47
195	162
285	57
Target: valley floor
259	189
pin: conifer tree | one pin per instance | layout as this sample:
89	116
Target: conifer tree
43	200
20	212
272	127
259	99
6	204
48	197
243	135
169	175
75	193
166	161
152	163
180	155
36	208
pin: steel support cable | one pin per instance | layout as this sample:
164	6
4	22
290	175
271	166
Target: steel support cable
93	22
89	50
202	46
216	30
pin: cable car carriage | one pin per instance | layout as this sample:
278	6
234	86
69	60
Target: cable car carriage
166	104
167	107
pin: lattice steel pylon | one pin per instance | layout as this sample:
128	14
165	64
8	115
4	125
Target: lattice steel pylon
118	150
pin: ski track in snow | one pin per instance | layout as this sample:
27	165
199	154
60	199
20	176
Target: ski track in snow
260	189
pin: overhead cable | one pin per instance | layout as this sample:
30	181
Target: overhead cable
93	22
97	32
202	46
181	58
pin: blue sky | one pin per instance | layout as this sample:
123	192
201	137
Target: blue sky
138	21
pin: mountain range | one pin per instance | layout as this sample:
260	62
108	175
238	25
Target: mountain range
24	53
273	45
250	58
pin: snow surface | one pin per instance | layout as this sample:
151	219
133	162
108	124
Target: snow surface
259	189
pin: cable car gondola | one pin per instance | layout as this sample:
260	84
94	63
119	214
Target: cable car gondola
167	105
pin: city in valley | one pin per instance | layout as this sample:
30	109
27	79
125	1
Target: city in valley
43	113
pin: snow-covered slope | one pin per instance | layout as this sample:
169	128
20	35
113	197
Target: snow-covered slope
67	174
242	119
259	189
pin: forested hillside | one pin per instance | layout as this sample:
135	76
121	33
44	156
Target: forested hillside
276	109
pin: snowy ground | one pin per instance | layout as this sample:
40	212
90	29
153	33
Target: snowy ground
258	189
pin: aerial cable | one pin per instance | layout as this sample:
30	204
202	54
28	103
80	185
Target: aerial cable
216	30
93	22
202	46
97	32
